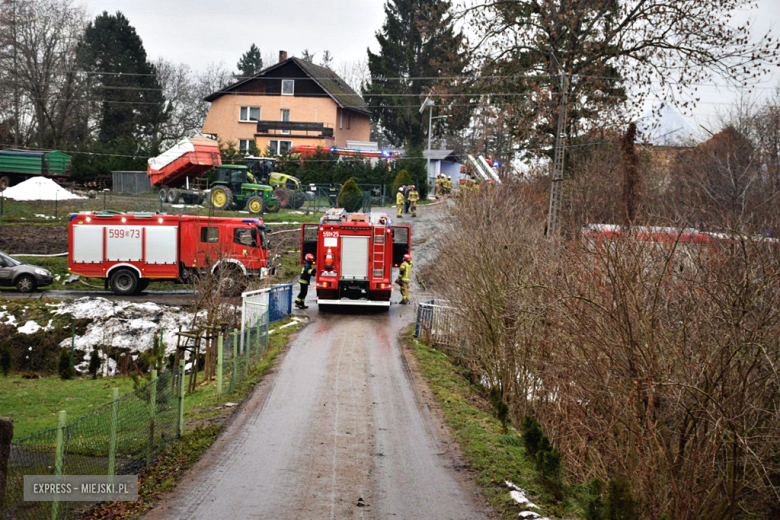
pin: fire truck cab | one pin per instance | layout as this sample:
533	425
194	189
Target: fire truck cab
128	250
355	254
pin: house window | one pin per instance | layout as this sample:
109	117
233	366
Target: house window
286	118
249	114
209	234
278	147
244	144
288	87
341	119
349	120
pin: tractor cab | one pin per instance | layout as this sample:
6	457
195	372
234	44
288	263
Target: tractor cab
287	189
236	187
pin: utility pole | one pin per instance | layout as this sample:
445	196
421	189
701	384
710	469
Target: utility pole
556	190
428	103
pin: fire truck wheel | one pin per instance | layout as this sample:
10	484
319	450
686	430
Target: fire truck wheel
143	283
254	205
4	182
231	282
124	282
221	197
25	284
163	194
173	196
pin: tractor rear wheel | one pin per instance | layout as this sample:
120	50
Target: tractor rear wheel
254	205
221	197
4	182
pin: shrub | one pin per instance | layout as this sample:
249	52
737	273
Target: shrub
94	363
532	434
350	197
620	502
5	358
64	367
402	179
500	407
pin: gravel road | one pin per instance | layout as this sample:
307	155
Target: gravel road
340	430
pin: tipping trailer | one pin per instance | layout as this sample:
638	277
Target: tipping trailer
355	254
128	250
174	171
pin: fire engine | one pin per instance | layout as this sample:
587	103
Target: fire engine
355	254
128	250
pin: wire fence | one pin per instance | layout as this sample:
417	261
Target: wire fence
119	438
440	326
127	434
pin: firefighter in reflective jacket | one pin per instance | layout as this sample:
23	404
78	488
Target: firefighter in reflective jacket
413	198
404	277
306	272
399	202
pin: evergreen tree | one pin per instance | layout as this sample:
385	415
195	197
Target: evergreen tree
124	82
250	63
417	40
350	197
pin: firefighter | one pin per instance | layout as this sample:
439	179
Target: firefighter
449	185
440	183
404	277
407	189
306	271
400	200
413	198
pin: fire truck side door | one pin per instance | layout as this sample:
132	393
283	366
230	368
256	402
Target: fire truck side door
309	238
402	243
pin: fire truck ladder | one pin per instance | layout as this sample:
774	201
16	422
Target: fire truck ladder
380	250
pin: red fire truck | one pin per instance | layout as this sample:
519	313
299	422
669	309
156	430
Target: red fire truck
128	250
355	254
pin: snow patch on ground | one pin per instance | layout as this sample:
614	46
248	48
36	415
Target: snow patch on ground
47	217
124	324
518	495
39	188
32	327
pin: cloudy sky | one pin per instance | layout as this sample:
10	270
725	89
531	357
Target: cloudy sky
199	32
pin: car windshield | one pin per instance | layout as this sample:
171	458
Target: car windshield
9	261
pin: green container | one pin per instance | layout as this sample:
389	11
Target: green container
34	163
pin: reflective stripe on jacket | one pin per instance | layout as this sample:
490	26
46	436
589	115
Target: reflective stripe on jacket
414	196
405	271
399	199
306	271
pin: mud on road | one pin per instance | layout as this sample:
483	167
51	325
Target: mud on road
339	430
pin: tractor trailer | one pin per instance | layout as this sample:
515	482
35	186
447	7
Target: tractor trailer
355	254
129	250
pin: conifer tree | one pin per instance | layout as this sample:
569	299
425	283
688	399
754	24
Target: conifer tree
417	40
250	63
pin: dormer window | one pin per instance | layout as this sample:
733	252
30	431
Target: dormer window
288	87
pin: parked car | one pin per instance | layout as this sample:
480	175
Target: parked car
25	277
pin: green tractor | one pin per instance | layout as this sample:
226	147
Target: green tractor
287	189
235	187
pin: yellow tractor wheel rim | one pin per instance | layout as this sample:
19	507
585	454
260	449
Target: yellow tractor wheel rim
255	206
218	198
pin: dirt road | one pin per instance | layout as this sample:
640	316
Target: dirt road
337	432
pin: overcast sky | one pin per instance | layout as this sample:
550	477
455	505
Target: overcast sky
199	32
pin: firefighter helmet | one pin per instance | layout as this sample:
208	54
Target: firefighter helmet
309	257
401	189
449	177
407	257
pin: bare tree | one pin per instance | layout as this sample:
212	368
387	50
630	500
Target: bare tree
39	60
355	73
181	91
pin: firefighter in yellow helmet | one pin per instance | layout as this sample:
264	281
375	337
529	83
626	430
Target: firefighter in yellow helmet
404	277
399	202
413	198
